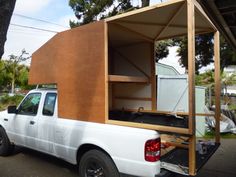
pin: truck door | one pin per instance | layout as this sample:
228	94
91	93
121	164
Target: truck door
46	124
24	123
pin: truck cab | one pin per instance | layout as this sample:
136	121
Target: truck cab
35	124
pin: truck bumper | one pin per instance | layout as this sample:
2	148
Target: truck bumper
141	169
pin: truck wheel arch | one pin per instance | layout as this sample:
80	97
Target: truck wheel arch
6	146
87	147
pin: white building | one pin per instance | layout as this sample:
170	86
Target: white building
229	70
173	94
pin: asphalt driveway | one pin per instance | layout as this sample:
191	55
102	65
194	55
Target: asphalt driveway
28	163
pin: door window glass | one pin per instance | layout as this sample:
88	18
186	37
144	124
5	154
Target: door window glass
49	104
30	104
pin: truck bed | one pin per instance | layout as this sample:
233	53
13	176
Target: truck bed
149	118
178	159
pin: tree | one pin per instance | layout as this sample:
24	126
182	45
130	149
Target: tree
227	54
228	80
22	80
204	51
6	10
162	49
3	76
92	10
13	67
208	79
86	11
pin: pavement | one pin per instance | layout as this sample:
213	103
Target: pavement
29	163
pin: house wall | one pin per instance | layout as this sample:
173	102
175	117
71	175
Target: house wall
75	61
163	69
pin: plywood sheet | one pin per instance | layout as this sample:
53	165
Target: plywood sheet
149	22
75	61
126	60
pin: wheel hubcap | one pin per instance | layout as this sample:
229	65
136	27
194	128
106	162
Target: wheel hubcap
94	170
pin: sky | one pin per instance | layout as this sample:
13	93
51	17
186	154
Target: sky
57	12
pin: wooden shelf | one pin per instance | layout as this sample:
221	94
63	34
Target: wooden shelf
127	79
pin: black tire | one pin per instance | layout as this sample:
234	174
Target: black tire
5	145
95	163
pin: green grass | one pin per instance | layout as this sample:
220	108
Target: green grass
232	107
211	135
7	100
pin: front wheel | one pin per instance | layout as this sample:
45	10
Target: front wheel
95	163
5	145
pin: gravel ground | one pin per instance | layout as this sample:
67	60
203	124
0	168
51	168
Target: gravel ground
28	163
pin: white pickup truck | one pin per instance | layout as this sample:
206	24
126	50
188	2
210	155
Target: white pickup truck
100	150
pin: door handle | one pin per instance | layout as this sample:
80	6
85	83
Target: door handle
32	122
5	119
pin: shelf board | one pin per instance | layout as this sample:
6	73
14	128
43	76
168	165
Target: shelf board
127	79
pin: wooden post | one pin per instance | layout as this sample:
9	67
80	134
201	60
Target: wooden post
217	85
153	77
191	83
106	71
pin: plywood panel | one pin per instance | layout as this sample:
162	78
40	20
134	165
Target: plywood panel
134	90
139	54
74	60
133	61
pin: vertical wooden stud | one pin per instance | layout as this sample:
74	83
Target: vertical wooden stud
217	84
106	107
153	77
191	83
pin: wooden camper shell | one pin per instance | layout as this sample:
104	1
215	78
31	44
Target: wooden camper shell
90	62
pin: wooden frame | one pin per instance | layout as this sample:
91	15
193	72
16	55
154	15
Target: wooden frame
153	78
191	85
192	8
106	71
170	113
161	128
217	84
119	78
157	24
133	98
169	22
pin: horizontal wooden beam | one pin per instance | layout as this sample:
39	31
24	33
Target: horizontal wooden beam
150	127
141	10
133	98
206	31
158	24
202	13
181	145
170	113
120	78
175	14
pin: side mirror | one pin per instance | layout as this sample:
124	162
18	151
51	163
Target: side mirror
11	109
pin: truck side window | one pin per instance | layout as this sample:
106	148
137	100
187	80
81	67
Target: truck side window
30	104
49	104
